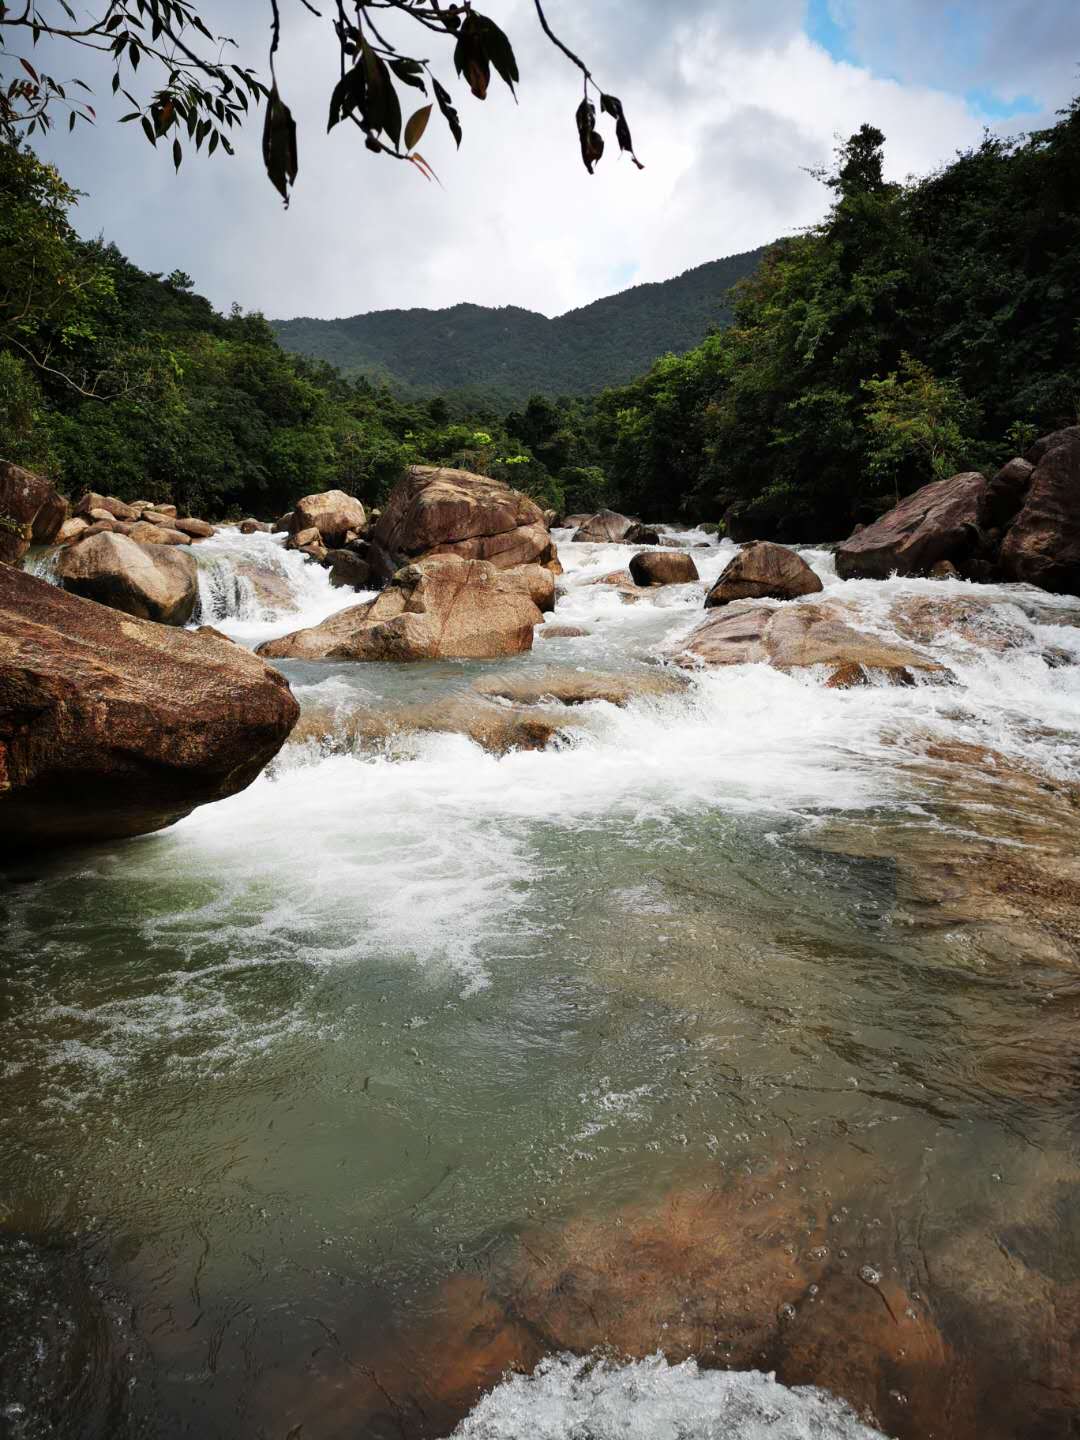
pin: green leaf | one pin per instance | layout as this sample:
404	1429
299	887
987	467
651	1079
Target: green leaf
177	153
149	129
416	126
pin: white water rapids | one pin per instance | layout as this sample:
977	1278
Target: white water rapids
319	1046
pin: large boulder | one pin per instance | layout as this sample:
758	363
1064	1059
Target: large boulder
605	527
794	637
663	567
154	582
441	608
332	513
91	501
942	521
31	512
764	571
435	511
1042	546
112	726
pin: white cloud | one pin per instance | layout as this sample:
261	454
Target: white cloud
727	103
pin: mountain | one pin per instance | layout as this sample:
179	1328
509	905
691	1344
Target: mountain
508	354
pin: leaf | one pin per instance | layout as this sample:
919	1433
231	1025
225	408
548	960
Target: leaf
382	110
446	105
347	94
592	143
177	153
30	70
471	61
496	47
416	126
149	129
612	105
278	143
408	71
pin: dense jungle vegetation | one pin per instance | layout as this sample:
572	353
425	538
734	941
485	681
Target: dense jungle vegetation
918	330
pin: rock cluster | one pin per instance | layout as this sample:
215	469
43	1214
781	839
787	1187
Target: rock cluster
147	521
112	726
1023	524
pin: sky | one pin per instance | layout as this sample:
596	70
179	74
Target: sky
731	103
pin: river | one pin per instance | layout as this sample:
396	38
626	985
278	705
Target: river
738	1026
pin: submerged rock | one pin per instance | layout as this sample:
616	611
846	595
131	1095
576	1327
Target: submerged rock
113	726
150	581
579	687
764	571
497	729
793	637
437	609
31	512
663	567
438	511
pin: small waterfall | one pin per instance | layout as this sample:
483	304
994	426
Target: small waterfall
252	588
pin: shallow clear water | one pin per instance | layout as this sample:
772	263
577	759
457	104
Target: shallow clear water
399	1015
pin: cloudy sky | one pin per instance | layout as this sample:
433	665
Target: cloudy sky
731	102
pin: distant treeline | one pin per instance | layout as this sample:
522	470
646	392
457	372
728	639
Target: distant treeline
495	358
919	330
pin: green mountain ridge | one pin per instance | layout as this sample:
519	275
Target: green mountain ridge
505	354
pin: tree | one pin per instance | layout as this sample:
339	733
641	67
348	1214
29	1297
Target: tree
200	98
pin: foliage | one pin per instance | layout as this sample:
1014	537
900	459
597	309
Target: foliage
116	380
921	328
202	96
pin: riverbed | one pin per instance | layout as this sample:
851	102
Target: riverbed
735	1030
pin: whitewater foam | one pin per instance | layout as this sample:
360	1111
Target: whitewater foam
569	1398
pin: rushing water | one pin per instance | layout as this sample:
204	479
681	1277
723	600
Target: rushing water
338	1099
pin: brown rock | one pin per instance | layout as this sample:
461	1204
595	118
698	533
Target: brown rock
152	582
283	522
436	609
944	570
795	636
573	522
158	518
197	529
168	510
71	530
1042	546
942	521
643	535
562	632
299	538
764	571
112	726
436	511
1046	443
254	527
348	568
537	582
91	501
30	512
606	526
663	567
101	527
148	534
98	514
332	514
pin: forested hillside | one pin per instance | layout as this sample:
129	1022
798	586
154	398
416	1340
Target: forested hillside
921	329
129	383
502	356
